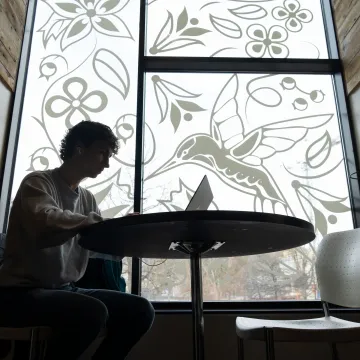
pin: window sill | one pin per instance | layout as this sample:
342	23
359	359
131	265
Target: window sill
256	307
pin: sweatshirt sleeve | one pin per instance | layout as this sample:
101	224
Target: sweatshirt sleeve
51	225
94	254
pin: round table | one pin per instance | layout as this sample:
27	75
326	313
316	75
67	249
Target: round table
196	235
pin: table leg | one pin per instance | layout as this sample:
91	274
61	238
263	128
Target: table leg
197	306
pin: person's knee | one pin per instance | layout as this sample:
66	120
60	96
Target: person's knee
146	312
95	313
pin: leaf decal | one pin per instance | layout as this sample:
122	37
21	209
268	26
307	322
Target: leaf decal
111	25
320	221
39	121
329	202
226	27
77	30
222	50
188	195
194	31
335	206
175	116
112	70
177	208
249	12
68	9
163	35
101	195
162	102
321	195
112	212
177	90
319	217
179	43
53	28
189	106
165	31
182	20
319	151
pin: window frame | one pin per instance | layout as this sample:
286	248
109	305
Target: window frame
332	66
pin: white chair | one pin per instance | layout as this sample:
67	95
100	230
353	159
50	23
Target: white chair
338	274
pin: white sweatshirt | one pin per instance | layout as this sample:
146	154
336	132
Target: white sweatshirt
42	241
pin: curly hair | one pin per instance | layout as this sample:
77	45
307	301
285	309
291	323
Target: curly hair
86	133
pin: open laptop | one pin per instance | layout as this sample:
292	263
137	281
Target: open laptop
202	197
201	200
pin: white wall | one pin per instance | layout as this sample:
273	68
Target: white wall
5	112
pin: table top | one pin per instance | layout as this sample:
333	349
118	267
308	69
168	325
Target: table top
234	233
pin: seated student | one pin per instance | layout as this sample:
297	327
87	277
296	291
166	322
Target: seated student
43	259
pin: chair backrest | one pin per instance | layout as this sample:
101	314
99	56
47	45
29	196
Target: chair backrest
338	268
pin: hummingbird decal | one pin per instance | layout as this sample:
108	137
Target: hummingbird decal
236	156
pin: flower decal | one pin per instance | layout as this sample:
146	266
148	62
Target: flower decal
267	40
293	14
76	103
84	16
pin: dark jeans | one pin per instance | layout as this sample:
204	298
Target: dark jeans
77	316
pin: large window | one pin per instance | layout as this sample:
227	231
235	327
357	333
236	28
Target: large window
246	92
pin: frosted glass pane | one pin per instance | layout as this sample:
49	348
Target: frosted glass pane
258	29
83	65
268	143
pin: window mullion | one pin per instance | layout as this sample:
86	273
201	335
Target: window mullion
138	183
243	65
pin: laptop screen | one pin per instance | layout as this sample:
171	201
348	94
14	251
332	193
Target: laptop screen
202	197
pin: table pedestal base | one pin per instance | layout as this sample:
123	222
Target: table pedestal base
195	250
197	306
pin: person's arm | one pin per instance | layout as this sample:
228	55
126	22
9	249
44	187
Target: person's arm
44	220
94	254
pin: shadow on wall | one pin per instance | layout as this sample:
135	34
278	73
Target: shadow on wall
354	98
5	112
